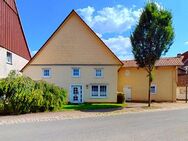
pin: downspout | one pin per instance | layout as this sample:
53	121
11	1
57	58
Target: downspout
175	79
172	87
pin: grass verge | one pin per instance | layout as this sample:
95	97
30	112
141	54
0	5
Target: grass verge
88	106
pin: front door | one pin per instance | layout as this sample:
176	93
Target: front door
76	94
127	92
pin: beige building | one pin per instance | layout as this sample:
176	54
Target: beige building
133	80
75	58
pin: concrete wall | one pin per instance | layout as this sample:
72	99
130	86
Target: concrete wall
62	76
17	63
165	78
181	93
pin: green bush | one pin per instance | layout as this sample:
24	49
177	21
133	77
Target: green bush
120	98
53	96
21	94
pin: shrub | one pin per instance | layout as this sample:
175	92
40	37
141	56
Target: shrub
120	98
53	96
21	94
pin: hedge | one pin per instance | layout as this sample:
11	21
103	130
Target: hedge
20	94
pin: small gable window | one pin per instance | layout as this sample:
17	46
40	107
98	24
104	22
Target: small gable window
153	89
46	73
98	73
75	72
9	58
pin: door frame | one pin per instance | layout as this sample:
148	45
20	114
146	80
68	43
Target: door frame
124	90
71	94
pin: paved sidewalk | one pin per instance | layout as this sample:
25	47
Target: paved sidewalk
64	115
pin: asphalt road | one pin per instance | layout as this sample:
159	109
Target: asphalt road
150	126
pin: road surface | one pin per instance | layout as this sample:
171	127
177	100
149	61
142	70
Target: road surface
147	126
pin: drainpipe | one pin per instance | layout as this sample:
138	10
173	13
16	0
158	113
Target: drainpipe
173	83
186	69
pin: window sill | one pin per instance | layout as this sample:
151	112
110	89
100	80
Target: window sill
75	76
46	77
97	97
9	63
99	77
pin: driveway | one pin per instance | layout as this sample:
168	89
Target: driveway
166	125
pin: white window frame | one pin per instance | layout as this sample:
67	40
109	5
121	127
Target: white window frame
98	96
153	85
96	72
73	72
9	62
50	73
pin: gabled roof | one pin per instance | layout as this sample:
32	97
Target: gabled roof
72	12
11	33
163	62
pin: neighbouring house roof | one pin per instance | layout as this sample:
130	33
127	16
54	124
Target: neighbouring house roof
169	61
11	33
185	56
73	12
12	5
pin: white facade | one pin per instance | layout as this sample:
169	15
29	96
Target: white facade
17	62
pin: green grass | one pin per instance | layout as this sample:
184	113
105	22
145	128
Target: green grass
88	106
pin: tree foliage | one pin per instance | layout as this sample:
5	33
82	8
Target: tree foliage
152	37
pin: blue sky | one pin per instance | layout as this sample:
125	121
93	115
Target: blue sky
112	20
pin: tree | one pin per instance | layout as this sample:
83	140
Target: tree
152	38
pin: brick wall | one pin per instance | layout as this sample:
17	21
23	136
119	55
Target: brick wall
182	80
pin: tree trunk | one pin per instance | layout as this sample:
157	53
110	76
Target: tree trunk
149	94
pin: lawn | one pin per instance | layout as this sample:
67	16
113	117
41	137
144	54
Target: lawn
88	106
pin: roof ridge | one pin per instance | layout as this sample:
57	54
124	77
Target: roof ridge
159	59
165	61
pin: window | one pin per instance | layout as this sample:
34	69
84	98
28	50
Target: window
95	90
98	91
9	58
98	72
46	73
76	72
153	89
102	90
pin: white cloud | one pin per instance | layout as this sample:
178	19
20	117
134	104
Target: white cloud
117	19
186	43
159	6
121	46
87	13
33	52
99	35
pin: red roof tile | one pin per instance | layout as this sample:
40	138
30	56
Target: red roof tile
12	5
169	61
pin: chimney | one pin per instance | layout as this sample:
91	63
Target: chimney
179	55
